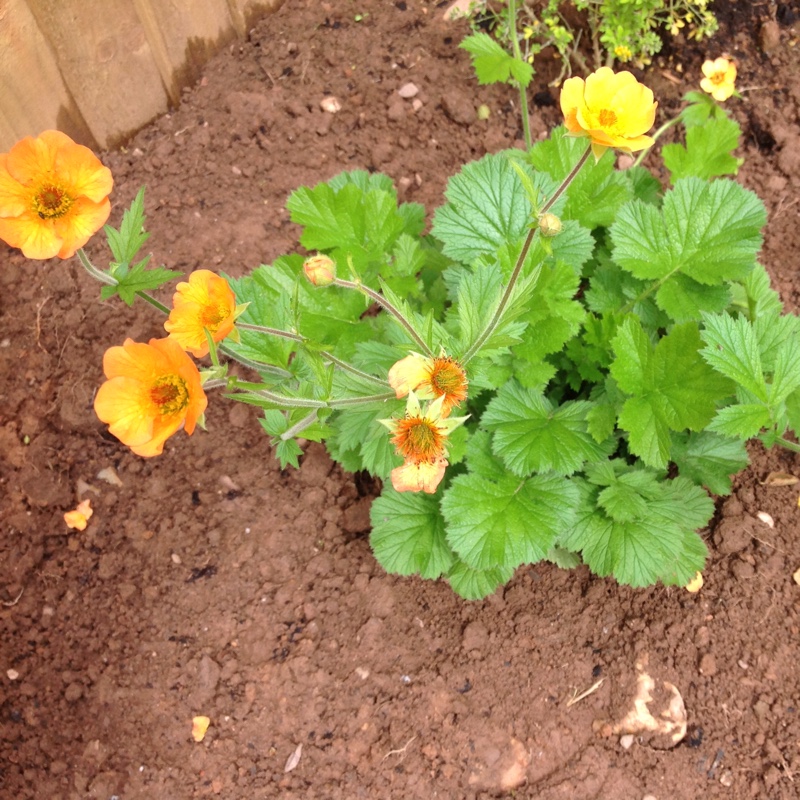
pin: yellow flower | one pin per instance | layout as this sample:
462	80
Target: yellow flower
153	390
611	108
79	518
53	195
430	378
205	302
421	439
720	79
623	52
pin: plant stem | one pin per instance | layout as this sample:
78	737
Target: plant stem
258	366
296	337
665	127
299	427
110	280
501	307
795	448
387	306
523	91
360	401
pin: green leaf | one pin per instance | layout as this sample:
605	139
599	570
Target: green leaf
507	523
708	459
531	434
732	349
475	584
708	151
743	421
126	242
709	232
287	452
487	207
672	387
650	538
137	279
408	534
493	64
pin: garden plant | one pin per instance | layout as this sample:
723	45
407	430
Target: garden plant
567	366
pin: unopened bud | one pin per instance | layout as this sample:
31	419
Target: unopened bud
549	225
320	270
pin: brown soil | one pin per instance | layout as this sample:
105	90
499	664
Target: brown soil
212	583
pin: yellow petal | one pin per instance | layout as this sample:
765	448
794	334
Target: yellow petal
419	477
199	728
82	221
408	373
35	237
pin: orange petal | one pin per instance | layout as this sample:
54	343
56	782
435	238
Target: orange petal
15	198
79	224
122	403
79	518
35	237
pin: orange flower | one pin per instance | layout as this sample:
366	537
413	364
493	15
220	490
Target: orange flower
611	108
720	79
430	378
79	518
53	195
421	439
205	302
152	391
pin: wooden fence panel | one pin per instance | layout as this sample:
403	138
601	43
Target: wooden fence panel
101	69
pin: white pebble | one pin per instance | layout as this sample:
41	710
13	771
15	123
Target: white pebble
408	90
330	104
12	674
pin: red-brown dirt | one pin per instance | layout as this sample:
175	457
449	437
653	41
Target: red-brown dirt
211	582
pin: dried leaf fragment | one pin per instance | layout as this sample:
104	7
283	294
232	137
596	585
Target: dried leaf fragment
199	727
294	759
780	479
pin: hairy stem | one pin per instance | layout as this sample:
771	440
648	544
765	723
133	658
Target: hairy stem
387	306
299	427
665	127
523	91
501	306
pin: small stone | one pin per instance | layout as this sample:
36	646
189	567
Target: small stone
769	37
708	665
408	90
626	741
176	559
416	104
73	692
726	779
330	104
12	674
796	577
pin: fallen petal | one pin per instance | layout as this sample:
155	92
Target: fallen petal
199	728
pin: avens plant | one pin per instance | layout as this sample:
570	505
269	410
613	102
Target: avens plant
566	367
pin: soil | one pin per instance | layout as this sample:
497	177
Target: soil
210	582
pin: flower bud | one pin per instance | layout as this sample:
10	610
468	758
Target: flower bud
320	270
549	225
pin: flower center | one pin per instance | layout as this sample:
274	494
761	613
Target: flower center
448	378
51	201
418	439
718	78
169	394
213	316
607	118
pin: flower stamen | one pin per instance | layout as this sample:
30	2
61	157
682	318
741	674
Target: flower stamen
52	201
169	394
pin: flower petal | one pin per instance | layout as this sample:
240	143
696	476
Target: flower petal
408	373
84	219
35	237
419	477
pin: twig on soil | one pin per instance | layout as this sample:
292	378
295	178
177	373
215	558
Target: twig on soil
591	690
11	603
401	751
39	322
